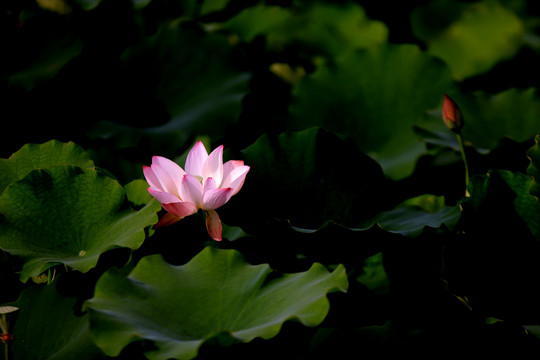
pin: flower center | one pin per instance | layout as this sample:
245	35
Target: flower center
199	178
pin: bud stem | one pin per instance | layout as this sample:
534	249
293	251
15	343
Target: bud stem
464	158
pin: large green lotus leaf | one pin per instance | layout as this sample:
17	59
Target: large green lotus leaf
375	96
47	328
68	215
311	176
192	76
481	35
534	167
39	156
217	293
326	28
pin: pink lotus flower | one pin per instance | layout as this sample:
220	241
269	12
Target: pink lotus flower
206	183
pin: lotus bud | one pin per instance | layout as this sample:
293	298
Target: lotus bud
452	115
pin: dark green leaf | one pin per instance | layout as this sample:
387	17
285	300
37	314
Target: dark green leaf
374	275
311	177
47	328
48	62
534	167
376	96
512	191
408	219
192	75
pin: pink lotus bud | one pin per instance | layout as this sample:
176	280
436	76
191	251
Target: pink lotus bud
206	183
452	115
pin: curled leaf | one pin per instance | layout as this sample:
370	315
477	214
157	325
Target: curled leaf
216	293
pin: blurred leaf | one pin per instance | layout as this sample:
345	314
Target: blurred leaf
258	20
427	202
45	60
312	176
513	113
534	330
68	215
192	74
57	6
327	28
217	294
87	4
38	156
375	96
92	4
209	6
484	33
526	205
437	133
47	328
374	276
534	167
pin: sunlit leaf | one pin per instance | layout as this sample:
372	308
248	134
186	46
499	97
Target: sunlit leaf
481	35
327	29
375	96
137	192
38	156
216	294
68	215
57	6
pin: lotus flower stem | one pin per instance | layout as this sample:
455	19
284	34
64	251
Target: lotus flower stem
3	328
5	336
464	158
